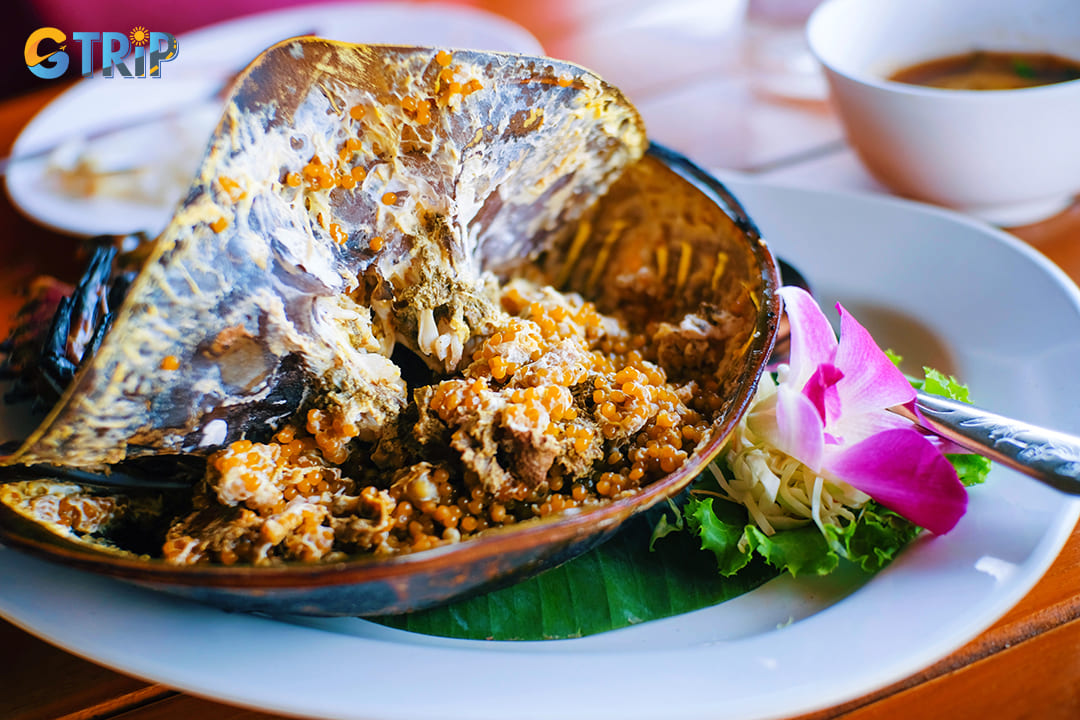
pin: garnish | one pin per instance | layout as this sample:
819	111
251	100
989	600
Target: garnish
1022	68
822	468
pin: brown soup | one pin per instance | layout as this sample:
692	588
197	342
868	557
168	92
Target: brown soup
985	70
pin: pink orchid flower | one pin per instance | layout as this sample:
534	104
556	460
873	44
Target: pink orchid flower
829	413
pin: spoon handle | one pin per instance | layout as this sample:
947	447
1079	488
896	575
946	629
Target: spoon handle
1048	456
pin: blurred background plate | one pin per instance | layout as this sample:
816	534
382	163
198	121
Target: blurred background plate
132	179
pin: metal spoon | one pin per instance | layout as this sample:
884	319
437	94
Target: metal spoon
1049	456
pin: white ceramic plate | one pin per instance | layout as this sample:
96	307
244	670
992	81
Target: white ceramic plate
1000	315
141	172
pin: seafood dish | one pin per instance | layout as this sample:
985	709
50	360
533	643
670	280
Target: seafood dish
412	298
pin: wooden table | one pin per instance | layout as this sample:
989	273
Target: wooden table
718	102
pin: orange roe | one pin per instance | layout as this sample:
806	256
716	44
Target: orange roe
557	368
339	235
231	188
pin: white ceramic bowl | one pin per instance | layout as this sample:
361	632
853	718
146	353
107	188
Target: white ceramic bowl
1009	156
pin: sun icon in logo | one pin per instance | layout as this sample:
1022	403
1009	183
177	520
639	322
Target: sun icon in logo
139	36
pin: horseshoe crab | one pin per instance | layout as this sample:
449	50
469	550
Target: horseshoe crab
412	296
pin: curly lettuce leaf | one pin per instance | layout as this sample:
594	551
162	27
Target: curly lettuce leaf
972	469
937	383
875	540
720	530
871	543
801	551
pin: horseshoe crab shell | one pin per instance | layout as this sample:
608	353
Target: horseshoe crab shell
270	291
416	174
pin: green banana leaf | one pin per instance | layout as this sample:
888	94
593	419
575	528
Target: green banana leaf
618	584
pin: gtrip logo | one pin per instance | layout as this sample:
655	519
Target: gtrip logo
136	54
